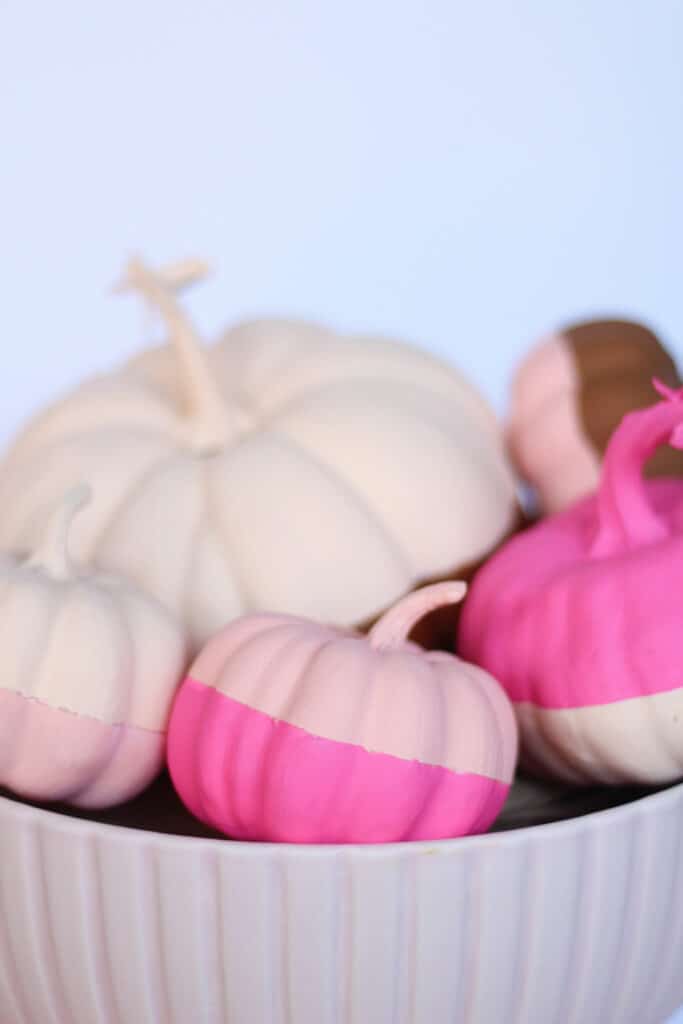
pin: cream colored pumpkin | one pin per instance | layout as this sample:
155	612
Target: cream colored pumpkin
90	667
285	468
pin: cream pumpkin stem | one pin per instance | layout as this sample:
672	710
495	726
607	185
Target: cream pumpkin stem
394	628
52	554
212	423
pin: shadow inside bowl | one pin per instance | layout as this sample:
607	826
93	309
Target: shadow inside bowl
531	802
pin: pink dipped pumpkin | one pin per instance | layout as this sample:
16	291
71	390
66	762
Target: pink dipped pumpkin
291	731
90	666
581	620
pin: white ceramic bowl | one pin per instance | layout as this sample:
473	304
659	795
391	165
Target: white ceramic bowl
578	921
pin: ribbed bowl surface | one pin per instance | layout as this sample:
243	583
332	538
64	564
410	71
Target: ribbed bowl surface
579	921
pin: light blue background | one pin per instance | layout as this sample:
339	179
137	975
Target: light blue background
466	175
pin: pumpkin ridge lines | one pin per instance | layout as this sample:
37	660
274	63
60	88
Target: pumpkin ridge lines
121	508
41	458
40	453
239	355
350	382
231	750
442	714
64	609
364	705
290	366
36	655
347	489
239	649
496	771
264	679
228	548
42	423
358	745
425	415
231	755
296	695
193	551
205	797
32	656
121	614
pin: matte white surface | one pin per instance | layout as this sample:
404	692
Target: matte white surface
570	922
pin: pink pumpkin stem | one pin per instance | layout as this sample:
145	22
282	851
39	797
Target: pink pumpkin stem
394	628
626	518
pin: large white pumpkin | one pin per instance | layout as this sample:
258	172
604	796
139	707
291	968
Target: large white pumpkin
285	467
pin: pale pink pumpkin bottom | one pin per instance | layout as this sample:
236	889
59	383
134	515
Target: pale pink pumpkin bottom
253	777
49	754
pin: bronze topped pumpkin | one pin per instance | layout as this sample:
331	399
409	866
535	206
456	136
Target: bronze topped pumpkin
569	395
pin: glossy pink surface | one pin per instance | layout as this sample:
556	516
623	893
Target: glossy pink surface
50	754
252	777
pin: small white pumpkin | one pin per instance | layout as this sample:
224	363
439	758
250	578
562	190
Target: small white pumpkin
90	667
285	468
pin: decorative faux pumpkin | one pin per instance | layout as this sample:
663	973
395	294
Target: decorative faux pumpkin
90	666
580	620
568	397
285	468
290	731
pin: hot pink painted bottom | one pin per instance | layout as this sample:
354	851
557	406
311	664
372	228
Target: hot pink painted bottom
252	777
49	754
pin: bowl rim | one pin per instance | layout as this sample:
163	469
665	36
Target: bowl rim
123	834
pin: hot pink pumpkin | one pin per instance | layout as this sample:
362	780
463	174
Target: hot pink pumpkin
580	618
290	731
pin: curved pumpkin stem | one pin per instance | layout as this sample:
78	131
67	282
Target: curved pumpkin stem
52	554
394	628
211	420
626	518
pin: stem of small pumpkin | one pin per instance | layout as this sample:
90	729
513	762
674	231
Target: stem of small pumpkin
626	518
394	628
52	554
212	422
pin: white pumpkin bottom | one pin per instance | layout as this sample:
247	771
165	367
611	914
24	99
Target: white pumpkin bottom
639	740
47	752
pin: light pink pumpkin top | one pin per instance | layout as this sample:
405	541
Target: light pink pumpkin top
427	707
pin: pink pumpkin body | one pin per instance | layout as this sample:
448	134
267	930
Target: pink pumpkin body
580	619
289	731
49	753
